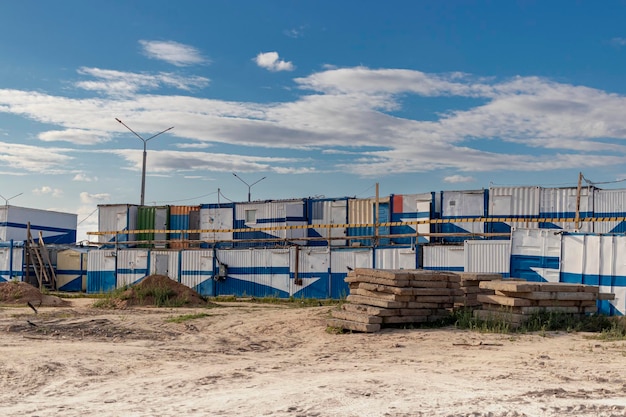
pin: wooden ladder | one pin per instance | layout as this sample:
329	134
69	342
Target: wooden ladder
40	260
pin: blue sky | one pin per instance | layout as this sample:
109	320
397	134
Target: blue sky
322	98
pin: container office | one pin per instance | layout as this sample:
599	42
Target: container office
327	211
101	271
412	207
287	217
395	258
71	270
610	203
459	205
443	257
132	266
310	272
487	256
197	270
342	261
566	203
11	261
513	202
362	217
217	222
55	227
117	218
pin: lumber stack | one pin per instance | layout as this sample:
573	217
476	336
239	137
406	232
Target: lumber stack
470	286
514	301
380	298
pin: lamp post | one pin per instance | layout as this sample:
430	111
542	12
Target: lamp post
6	200
249	185
143	167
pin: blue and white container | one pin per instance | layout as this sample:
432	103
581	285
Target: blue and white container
55	227
101	271
271	222
513	202
343	261
395	257
71	271
310	272
408	208
132	266
328	211
470	204
116	218
610	203
217	222
443	257
11	261
536	254
487	256
164	262
565	203
363	218
197	271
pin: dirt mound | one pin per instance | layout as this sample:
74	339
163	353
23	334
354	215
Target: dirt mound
16	292
161	291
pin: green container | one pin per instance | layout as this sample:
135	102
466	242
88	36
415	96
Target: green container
153	218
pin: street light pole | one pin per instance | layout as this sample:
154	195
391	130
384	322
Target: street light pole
249	185
6	200
143	166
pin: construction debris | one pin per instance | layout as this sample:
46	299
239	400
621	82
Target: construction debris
382	298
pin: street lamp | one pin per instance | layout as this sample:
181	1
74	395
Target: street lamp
249	185
6	200
143	167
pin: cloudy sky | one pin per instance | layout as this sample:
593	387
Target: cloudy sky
317	98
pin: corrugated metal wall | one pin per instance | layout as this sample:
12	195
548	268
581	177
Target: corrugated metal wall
610	203
458	204
561	203
71	272
487	256
325	211
11	261
520	202
309	272
443	257
341	262
536	254
55	227
363	211
101	274
165	262
153	218
183	218
213	217
116	217
408	207
132	266
395	258
197	271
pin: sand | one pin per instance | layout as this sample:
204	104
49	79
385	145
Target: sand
243	359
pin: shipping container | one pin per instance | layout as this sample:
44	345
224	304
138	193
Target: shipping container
536	254
344	260
253	272
610	203
101	271
395	257
164	262
216	217
119	218
55	227
197	271
331	212
363	218
71	270
184	218
132	266
153	218
487	256
270	223
412	207
470	204
513	202
310	272
566	203
11	261
443	257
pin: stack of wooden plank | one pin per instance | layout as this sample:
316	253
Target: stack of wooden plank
470	286
391	297
516	300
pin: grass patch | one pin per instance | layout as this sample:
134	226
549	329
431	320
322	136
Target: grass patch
274	299
186	317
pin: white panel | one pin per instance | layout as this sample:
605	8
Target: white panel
116	217
132	265
196	267
172	260
488	256
562	202
341	261
443	257
608	203
395	258
515	201
216	219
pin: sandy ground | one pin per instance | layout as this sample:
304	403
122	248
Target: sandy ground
260	360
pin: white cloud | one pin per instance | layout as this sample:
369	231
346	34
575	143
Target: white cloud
84	178
44	190
88	198
113	82
618	41
271	61
173	52
453	179
34	159
295	32
76	136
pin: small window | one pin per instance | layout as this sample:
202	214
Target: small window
250	216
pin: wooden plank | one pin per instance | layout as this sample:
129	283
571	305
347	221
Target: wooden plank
479	276
376	302
373	311
391	274
429	284
498	316
358	317
404	319
502	300
606	296
567	287
381	295
375	280
442	299
353	325
421	304
419	292
510	286
383	288
416	311
549	295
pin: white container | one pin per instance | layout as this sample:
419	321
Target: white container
443	257
55	227
116	218
487	256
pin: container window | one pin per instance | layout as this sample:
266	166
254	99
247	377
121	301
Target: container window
250	216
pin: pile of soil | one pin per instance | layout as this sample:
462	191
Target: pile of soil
161	291
16	292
